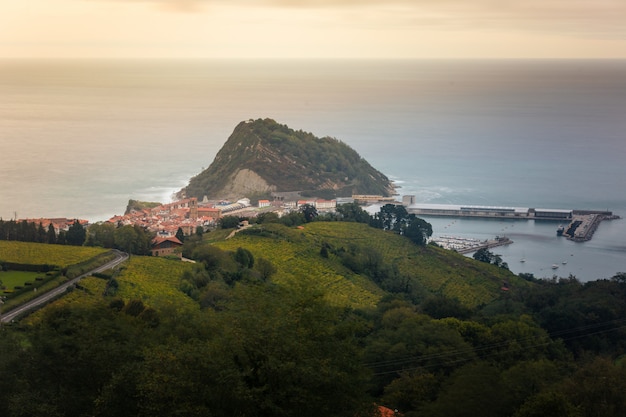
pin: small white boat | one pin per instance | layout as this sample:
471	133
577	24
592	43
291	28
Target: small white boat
554	266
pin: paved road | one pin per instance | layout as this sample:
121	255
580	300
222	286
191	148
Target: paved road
46	297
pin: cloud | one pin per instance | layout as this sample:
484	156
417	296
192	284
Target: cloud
569	16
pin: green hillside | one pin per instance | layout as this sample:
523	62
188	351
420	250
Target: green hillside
263	156
426	270
328	318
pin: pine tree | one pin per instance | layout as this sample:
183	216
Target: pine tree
51	236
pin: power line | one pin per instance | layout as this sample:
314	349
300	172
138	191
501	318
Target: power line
546	339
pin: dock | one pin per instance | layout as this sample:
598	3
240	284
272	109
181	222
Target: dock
466	245
582	223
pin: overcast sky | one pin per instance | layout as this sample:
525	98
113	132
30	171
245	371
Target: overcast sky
313	28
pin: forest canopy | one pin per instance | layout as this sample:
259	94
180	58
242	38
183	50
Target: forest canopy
267	323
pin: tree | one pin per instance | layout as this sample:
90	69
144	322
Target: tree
548	403
41	234
101	234
597	388
267	217
244	258
76	234
125	239
473	390
418	230
68	362
309	211
485	255
440	306
265	268
295	218
180	235
352	212
133	239
51	236
62	237
395	217
229	222
293	353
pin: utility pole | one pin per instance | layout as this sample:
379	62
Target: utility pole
2	298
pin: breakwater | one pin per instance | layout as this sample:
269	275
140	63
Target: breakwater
581	224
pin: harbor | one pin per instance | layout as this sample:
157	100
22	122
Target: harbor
537	249
581	224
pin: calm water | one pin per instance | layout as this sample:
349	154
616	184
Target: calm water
78	139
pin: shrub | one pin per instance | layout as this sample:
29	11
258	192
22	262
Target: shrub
117	304
134	308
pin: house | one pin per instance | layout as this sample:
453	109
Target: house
300	203
212	212
325	204
163	246
264	203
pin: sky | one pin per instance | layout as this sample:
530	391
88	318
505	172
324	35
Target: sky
303	29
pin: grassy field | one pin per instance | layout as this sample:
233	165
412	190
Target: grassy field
155	282
10	279
40	253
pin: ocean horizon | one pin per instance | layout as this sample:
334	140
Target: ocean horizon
81	138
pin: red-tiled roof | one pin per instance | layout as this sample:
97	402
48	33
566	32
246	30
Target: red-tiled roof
158	240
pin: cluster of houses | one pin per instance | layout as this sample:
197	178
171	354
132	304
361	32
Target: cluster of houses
59	223
189	214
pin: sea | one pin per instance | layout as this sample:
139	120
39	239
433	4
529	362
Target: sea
79	138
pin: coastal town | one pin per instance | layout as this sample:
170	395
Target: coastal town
189	215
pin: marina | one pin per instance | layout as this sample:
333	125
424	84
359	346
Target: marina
465	245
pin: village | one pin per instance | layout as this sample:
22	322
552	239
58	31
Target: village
190	214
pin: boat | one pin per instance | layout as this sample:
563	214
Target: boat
523	260
554	266
560	230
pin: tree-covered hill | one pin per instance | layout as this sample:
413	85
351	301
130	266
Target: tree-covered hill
263	156
325	318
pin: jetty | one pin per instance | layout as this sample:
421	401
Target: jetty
584	224
491	212
581	223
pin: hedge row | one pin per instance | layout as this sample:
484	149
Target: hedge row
81	268
13	266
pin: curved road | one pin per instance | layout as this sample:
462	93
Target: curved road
46	297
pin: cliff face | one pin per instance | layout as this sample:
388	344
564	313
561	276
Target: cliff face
263	156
